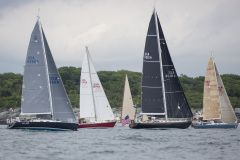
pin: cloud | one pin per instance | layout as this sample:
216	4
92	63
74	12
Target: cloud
115	32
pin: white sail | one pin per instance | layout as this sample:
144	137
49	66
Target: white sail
95	100
86	95
127	104
228	115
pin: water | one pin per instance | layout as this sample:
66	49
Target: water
120	143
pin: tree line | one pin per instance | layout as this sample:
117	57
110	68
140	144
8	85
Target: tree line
113	84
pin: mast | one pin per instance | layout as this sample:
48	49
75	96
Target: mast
90	75
47	72
215	74
161	67
123	94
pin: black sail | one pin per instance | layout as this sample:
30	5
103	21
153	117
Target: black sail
155	94
152	94
176	102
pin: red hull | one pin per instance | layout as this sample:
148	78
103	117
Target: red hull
98	125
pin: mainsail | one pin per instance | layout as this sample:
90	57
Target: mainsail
93	101
162	93
43	91
216	104
127	104
211	105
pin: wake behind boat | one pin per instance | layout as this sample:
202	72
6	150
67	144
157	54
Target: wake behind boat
217	109
95	110
45	104
163	99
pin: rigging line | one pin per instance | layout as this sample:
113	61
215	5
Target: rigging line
38	14
154	4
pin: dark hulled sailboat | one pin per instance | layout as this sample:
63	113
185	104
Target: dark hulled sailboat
163	99
45	104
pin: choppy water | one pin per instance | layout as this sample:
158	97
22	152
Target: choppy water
120	143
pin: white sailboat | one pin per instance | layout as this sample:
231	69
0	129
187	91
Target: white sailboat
95	110
128	110
217	109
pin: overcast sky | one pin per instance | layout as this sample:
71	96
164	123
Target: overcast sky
115	31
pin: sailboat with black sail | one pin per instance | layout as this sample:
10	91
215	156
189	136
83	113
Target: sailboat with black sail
45	104
163	99
217	109
95	110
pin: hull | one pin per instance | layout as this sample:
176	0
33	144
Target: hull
98	125
159	125
51	126
215	126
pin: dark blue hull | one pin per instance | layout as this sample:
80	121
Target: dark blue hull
51	126
212	126
179	125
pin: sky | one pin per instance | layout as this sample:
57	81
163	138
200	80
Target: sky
115	32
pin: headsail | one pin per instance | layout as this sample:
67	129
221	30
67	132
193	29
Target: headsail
176	102
227	113
62	109
211	105
127	104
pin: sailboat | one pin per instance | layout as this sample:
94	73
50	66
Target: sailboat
45	104
217	109
163	99
128	109
95	110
